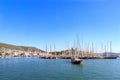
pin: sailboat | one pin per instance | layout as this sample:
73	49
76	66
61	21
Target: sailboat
55	55
45	55
108	55
51	56
76	59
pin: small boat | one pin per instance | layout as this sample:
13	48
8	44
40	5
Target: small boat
76	61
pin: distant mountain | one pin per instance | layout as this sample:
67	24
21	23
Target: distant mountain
23	48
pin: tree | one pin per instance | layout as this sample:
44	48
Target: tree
0	53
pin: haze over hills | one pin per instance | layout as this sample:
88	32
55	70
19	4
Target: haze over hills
22	48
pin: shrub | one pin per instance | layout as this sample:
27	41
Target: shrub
0	53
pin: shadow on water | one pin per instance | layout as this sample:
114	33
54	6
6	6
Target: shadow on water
79	65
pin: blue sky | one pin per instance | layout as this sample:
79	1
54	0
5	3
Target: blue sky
37	22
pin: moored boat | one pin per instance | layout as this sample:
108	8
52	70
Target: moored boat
110	57
76	61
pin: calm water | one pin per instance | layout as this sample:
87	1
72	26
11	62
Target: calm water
59	69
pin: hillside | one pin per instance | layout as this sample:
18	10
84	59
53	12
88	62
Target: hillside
23	48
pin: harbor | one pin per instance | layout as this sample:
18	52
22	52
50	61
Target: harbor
69	53
64	54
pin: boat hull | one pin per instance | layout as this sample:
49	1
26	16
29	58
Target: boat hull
76	61
110	57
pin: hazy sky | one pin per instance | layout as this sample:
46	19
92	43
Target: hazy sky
37	22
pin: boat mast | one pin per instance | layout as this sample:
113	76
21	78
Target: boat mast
82	44
107	46
78	46
105	50
50	49
55	49
110	46
74	49
92	50
46	49
88	51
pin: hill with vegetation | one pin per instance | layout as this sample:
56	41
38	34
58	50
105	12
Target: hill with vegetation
22	48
